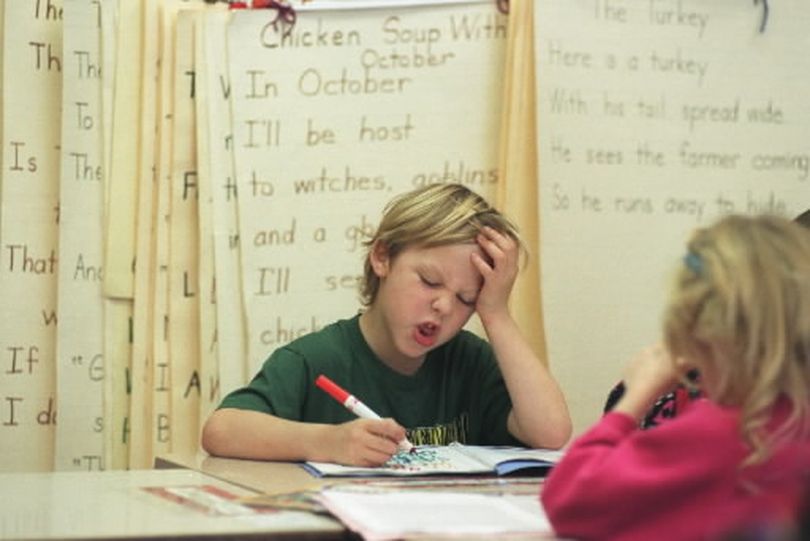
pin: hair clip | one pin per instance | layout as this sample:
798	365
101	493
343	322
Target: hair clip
694	262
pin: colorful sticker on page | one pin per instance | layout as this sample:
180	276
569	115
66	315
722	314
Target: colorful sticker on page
421	460
431	459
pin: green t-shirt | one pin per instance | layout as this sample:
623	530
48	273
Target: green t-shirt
458	394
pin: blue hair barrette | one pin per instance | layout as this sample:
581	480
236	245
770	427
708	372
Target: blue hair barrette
694	262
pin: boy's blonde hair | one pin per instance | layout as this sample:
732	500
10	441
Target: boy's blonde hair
433	215
740	310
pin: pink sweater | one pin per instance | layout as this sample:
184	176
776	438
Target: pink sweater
679	481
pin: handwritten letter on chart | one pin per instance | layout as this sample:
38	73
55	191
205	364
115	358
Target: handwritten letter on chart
654	117
333	119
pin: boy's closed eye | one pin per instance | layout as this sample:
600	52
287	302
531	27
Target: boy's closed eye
433	284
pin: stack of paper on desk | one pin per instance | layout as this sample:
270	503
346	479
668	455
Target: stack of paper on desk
451	459
379	516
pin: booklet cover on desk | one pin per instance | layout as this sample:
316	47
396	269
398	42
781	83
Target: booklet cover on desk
393	515
448	460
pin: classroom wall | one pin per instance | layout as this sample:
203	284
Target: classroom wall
186	188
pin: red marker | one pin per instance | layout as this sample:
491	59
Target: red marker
353	405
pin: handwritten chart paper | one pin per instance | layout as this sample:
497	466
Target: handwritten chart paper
122	184
207	336
143	313
334	117
654	118
80	334
184	296
220	302
29	210
117	312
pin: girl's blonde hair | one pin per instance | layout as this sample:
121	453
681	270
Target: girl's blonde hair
740	310
433	215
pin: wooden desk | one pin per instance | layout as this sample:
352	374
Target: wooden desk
274	478
116	505
261	476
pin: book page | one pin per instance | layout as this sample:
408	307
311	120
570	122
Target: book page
511	458
426	460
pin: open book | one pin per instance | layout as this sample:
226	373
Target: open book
450	459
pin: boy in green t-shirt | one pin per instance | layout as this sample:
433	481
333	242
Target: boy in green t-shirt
439	254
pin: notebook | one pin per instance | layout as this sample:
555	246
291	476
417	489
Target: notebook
450	459
390	515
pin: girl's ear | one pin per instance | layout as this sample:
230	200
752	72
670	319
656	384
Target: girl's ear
379	258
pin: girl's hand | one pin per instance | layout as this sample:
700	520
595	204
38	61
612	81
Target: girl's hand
650	374
499	272
653	369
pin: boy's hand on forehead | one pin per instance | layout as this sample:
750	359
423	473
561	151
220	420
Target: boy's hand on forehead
499	273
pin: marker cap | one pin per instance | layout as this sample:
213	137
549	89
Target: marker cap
332	388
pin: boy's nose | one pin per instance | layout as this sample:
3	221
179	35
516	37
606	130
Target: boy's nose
441	304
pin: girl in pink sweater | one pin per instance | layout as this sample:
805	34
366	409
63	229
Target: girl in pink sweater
739	313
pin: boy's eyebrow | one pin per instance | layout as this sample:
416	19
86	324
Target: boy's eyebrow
427	268
470	295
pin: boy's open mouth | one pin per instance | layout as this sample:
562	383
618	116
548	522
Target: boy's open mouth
426	334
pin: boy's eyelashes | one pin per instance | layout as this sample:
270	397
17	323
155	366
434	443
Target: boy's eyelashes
434	284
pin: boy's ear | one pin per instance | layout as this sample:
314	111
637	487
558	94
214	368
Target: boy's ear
380	261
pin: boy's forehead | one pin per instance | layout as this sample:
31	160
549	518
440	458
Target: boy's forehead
451	259
443	252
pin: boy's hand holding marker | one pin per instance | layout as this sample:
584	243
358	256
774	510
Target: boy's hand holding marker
350	402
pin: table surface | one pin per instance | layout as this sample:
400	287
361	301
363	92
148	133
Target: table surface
139	504
274	478
277	478
261	476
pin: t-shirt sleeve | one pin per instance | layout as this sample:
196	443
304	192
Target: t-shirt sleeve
616	461
277	389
